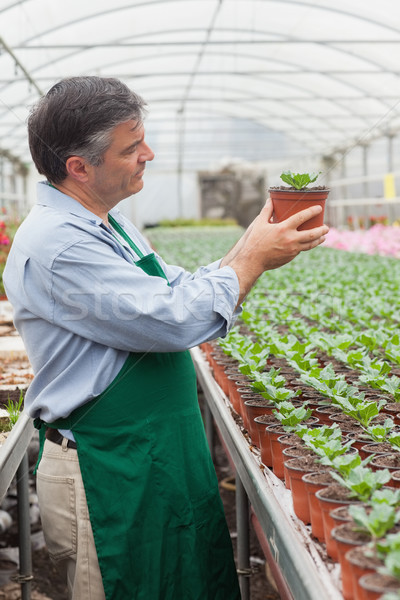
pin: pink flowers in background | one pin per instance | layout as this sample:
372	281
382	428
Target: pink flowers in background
4	239
379	239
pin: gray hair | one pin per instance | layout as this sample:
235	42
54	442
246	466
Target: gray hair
77	117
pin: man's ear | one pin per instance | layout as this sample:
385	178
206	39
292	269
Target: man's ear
77	168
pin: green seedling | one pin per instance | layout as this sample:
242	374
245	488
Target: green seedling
362	411
299	180
392	564
291	416
386	496
14	409
378	521
362	481
379	433
394	440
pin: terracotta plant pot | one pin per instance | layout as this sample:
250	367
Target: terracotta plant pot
392	409
361	562
243	392
287	202
263	436
289	452
277	449
315	482
234	383
375	585
340	515
329	498
324	412
220	375
347	537
375	448
386	461
395	481
273	433
296	468
207	348
255	407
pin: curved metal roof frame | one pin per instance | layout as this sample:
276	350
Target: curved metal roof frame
214	57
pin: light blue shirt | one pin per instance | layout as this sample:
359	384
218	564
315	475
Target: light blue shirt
81	305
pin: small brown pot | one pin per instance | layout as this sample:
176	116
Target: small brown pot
395	481
261	424
329	498
374	585
376	448
293	452
359	439
234	383
289	201
276	452
314	482
255	407
361	561
296	468
347	537
386	461
345	422
340	515
220	375
392	410
243	396
207	348
324	412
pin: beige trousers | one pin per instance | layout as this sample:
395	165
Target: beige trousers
65	521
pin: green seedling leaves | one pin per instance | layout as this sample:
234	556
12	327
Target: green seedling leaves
380	432
14	409
394	440
387	496
299	180
362	481
392	564
290	418
364	412
377	521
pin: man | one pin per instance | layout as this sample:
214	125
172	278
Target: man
129	499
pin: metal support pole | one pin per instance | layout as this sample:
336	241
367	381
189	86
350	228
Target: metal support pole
390	153
365	170
340	216
209	427
24	530
243	539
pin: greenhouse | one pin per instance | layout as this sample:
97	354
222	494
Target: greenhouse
173	306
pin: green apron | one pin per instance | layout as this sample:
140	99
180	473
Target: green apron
151	488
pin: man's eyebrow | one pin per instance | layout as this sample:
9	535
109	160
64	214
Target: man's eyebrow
134	143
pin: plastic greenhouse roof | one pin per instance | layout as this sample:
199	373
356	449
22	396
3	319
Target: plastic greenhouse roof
253	78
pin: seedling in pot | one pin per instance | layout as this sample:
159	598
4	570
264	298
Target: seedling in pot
299	180
379	433
13	409
291	416
394	440
386	496
363	481
378	521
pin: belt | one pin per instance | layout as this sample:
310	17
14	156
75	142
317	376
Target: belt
55	436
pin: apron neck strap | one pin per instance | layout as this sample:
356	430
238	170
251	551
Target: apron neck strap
124	235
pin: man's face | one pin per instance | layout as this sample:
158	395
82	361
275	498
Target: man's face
120	174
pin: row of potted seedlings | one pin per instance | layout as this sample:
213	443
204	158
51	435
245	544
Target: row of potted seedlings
313	377
328	463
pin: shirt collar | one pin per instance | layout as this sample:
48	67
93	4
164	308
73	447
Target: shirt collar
49	196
